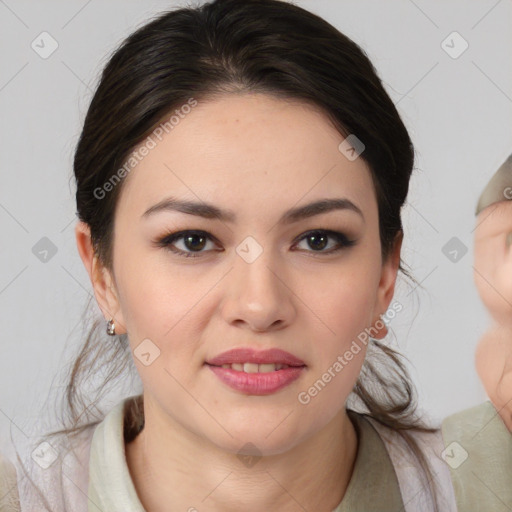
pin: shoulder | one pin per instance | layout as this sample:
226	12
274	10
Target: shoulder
403	449
478	450
479	419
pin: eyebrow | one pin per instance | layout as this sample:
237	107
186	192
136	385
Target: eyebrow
210	211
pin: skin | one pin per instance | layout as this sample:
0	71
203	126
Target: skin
493	279
257	156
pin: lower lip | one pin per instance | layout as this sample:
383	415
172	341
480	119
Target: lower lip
258	383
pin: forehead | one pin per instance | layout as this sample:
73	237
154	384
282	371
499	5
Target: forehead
251	147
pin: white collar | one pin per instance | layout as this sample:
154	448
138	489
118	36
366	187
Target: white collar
110	485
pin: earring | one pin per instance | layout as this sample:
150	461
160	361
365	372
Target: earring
111	328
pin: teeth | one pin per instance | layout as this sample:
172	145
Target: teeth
250	368
255	368
265	368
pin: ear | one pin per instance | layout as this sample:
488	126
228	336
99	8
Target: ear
101	279
387	283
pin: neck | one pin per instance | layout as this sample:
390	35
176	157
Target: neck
173	469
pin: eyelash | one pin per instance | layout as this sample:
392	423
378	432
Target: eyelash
167	241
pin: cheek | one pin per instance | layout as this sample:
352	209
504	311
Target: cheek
340	339
156	295
345	302
327	389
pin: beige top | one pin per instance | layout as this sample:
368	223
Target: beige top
373	485
479	448
95	477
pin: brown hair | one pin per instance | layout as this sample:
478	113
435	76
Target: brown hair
229	46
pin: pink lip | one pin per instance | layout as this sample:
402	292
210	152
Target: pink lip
257	383
249	355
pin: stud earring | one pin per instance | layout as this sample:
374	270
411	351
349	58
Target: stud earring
111	328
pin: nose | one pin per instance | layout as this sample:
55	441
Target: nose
259	295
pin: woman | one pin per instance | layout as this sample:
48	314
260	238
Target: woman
240	176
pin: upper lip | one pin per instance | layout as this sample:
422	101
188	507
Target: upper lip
250	355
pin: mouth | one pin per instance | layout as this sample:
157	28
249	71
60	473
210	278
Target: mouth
256	372
254	368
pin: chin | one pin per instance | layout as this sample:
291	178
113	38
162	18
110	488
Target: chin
253	441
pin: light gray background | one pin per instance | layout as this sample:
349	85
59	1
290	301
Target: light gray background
458	112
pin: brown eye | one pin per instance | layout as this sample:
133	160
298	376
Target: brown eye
318	240
192	242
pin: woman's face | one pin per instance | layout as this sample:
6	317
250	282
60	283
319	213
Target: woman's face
251	279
